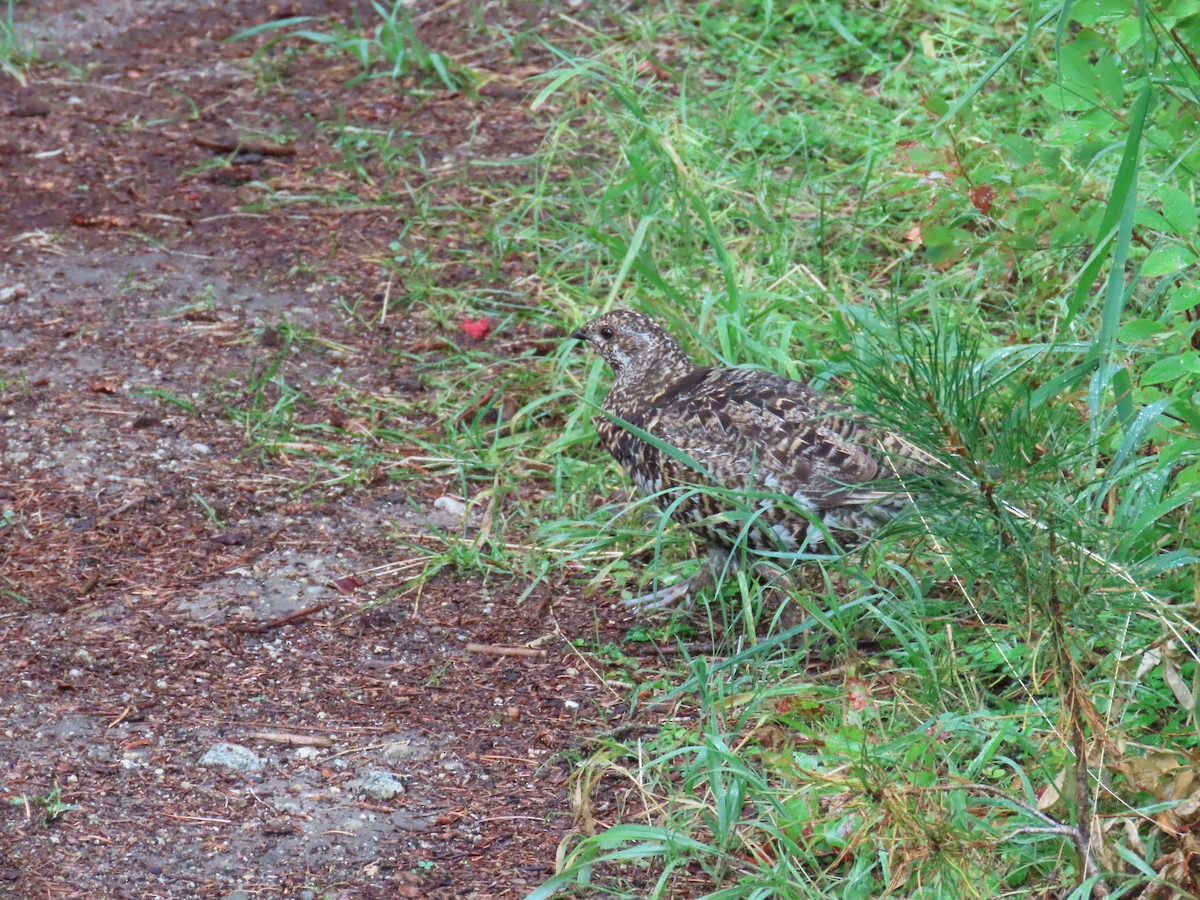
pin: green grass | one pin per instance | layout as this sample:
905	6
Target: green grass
52	807
982	229
15	53
391	49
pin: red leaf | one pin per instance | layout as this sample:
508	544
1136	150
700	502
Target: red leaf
475	328
982	196
858	693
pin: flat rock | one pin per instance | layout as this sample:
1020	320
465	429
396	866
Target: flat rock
233	757
381	785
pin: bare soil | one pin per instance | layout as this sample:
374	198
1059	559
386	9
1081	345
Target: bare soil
162	590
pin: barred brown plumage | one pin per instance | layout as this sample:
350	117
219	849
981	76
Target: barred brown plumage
793	454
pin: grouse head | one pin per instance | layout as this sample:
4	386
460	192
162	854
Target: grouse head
635	347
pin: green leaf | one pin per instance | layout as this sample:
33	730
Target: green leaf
1065	98
1122	389
1074	69
1085	80
1180	211
1167	259
1172	368
1129	32
1188	476
1151	218
1021	149
836	24
1140	329
1180	9
1183	298
1108	81
1153	514
1092	12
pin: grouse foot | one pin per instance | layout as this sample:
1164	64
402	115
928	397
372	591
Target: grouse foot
717	566
664	598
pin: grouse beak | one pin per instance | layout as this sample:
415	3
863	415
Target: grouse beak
578	334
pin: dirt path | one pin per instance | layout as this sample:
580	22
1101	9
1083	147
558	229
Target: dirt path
162	590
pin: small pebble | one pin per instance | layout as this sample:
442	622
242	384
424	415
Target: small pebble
450	505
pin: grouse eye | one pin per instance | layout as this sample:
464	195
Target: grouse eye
606	333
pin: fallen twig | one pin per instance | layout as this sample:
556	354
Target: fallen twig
496	650
256	628
90	584
124	507
295	740
232	144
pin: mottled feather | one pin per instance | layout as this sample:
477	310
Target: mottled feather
751	431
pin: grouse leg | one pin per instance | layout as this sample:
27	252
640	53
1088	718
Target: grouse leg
717	565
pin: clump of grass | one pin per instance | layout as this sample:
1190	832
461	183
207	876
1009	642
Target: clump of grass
16	55
390	50
53	808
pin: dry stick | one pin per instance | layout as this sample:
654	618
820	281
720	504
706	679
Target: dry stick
387	296
1052	826
370	748
90	584
254	628
316	211
1082	833
496	650
124	507
286	737
207	819
231	144
340	727
1078	836
1185	46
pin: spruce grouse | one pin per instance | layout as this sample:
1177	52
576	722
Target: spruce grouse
756	435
